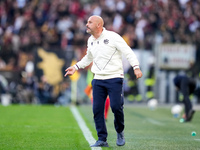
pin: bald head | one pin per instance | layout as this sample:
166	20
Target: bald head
98	20
95	25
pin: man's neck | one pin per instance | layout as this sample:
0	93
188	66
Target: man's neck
98	34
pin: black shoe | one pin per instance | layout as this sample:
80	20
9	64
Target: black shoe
120	139
100	144
190	116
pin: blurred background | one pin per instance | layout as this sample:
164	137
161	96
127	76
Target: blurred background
39	39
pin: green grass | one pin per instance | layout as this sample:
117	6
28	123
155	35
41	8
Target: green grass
32	127
152	130
39	127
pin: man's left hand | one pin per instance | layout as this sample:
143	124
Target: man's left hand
138	73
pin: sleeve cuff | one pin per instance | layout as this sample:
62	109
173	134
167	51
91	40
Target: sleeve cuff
76	67
136	67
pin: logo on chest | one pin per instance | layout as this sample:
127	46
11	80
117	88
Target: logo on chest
106	41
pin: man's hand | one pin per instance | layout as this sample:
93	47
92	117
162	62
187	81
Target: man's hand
138	73
70	71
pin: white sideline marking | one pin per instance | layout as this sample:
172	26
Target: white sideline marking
86	132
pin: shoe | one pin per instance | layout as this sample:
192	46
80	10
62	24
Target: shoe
100	144
190	116
120	139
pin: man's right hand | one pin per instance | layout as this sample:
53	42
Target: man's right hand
70	71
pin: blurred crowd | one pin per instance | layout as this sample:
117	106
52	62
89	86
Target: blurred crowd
26	25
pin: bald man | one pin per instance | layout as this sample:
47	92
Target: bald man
105	49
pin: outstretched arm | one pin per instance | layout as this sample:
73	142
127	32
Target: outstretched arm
70	71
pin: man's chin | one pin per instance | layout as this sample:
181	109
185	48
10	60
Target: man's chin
88	31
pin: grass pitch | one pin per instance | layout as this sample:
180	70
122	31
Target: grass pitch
26	127
34	127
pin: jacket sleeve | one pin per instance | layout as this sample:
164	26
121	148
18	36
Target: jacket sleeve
122	46
85	61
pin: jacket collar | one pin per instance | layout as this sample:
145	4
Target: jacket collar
102	34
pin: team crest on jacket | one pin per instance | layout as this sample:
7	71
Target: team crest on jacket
106	41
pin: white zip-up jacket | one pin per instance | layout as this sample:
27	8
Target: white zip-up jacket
106	55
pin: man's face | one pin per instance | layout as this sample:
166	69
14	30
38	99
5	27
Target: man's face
91	25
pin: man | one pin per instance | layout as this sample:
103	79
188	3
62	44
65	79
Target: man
186	86
105	49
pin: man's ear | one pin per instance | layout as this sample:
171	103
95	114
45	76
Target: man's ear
98	25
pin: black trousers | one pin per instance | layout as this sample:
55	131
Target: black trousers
187	87
101	89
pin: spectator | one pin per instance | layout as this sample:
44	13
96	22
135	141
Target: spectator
2	64
44	92
64	97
